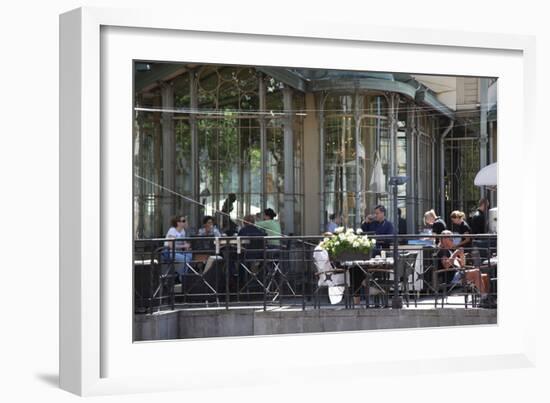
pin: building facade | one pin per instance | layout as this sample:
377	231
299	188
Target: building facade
306	142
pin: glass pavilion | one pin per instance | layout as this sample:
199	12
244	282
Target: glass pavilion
305	142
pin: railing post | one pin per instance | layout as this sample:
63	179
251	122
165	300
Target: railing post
171	282
396	302
266	274
227	266
238	269
304	275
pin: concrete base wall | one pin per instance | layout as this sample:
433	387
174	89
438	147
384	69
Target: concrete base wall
184	324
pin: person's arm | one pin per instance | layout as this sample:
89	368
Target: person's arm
170	235
458	256
446	262
169	244
186	245
463	242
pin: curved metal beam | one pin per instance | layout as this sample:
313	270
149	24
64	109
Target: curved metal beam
421	95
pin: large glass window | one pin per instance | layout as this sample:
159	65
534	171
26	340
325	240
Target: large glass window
373	155
461	167
426	168
147	170
346	119
219	130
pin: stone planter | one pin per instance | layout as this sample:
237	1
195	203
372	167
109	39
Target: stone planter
351	255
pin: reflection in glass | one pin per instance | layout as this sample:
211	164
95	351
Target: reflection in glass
227	135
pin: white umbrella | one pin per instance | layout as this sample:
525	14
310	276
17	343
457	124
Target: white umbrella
487	176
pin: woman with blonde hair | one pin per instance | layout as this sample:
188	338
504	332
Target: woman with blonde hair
461	227
434	222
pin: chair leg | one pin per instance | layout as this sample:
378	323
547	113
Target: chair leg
315	298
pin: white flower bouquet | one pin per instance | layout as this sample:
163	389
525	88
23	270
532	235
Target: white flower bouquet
348	245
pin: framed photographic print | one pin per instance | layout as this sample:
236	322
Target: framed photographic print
254	195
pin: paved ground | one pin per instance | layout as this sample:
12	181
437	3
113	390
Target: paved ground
425	303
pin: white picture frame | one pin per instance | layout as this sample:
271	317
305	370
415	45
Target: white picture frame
96	354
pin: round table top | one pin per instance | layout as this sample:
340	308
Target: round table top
491	261
374	262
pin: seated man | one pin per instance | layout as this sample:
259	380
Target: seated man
254	249
381	226
450	262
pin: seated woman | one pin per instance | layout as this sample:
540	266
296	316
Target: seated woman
271	226
449	263
435	222
181	255
208	227
205	247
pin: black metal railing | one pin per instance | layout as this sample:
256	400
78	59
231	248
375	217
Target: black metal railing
292	271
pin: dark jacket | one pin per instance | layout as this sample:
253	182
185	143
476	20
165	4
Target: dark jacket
438	226
478	222
380	228
254	250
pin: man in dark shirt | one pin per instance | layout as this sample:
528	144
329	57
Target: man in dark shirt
254	250
368	225
478	219
380	226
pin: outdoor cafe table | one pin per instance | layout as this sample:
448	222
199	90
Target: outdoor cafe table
491	262
369	268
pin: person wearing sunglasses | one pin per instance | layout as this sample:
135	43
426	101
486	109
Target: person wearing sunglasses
181	254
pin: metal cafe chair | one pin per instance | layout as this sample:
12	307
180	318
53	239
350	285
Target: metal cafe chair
375	280
275	277
154	278
428	270
250	261
482	269
404	270
441	289
463	287
327	275
201	280
487	249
